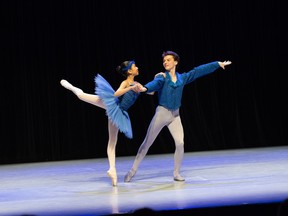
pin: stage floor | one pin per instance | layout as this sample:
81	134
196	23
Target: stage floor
78	187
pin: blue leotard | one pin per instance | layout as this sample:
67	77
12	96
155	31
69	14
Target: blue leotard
116	107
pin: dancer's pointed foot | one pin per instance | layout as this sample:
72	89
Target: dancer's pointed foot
129	175
178	178
66	84
70	87
113	175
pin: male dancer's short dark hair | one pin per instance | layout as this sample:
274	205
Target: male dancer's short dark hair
174	54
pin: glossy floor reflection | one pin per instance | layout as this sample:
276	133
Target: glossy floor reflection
81	187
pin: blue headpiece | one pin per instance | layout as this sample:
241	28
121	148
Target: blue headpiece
128	66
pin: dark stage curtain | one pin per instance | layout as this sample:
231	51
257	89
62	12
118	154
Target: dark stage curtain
44	41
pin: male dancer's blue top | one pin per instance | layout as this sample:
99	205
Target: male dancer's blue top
170	93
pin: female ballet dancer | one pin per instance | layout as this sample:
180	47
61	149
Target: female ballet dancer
116	105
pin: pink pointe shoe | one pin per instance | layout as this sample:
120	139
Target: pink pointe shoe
113	175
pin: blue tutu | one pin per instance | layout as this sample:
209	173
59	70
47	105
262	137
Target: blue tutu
118	116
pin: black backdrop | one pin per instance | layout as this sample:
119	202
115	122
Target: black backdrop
44	41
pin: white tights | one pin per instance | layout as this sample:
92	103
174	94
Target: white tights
172	120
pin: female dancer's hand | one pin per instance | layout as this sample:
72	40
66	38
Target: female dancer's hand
137	87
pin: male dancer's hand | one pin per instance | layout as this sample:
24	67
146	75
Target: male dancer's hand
223	64
160	73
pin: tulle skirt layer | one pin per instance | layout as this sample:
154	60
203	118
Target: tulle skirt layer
119	117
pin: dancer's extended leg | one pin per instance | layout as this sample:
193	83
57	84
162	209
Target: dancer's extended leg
89	98
160	119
